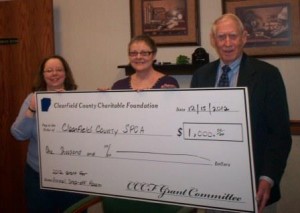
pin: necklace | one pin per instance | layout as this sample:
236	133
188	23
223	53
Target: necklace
144	83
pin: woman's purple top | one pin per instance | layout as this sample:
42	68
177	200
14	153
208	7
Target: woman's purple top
125	83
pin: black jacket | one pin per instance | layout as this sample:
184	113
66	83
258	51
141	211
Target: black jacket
269	114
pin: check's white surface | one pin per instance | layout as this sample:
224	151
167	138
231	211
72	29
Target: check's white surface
186	147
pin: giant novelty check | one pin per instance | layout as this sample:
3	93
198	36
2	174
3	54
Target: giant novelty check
187	147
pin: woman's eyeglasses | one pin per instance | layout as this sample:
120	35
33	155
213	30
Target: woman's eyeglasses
51	70
142	53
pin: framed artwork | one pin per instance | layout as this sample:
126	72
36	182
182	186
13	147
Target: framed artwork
273	26
168	22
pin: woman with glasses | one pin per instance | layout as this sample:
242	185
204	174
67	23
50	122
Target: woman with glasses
142	52
54	75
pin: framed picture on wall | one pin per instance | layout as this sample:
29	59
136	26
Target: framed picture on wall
168	22
273	26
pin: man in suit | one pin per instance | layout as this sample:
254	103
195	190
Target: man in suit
268	103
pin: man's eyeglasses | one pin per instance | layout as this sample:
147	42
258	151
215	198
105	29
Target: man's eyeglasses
51	70
142	53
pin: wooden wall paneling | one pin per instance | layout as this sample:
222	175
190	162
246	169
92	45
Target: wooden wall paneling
31	22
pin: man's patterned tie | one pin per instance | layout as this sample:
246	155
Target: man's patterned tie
224	80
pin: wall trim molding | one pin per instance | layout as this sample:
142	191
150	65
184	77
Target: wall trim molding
295	127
